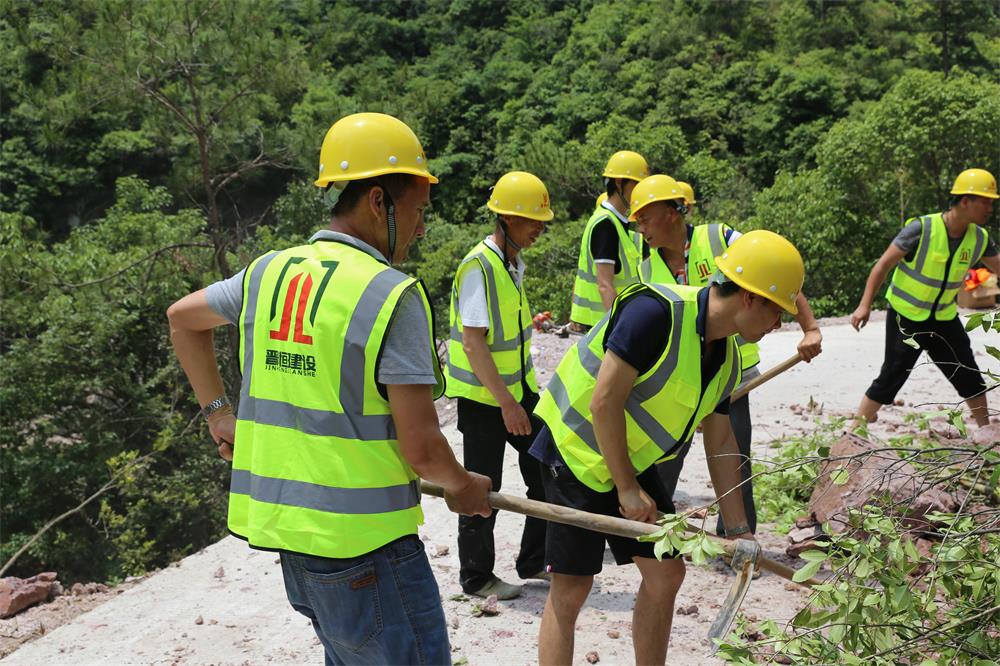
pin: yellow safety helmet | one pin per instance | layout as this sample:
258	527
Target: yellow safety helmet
657	187
688	193
766	264
365	145
978	182
522	194
626	164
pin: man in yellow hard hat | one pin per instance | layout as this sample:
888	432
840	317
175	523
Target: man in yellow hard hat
609	258
681	253
491	373
630	393
931	256
336	417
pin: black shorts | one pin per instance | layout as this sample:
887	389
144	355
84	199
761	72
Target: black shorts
580	552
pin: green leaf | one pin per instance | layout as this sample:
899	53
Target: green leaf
974	321
839	476
911	342
872	599
993	351
813	555
808	571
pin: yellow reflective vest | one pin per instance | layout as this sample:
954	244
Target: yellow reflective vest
508	337
587	307
708	241
665	405
929	283
317	467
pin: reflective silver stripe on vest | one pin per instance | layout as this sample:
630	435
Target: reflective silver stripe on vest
500	340
470	377
977	252
249	315
655	382
510	345
364	427
715	240
923	279
585	303
306	495
910	298
571	417
916	270
731	382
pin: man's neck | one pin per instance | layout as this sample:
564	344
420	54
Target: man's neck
506	249
955	223
719	321
363	232
618	203
677	238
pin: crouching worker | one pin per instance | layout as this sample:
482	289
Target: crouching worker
336	415
631	393
490	372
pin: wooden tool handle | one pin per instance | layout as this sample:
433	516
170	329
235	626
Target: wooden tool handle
765	376
598	523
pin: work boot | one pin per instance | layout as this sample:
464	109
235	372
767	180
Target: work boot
541	575
503	591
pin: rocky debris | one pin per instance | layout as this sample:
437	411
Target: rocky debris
80	589
807	520
440	550
488	608
199	620
857	471
16	594
987	435
220	573
614	634
805	538
593	657
688	610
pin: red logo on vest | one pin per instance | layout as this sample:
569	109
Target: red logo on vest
300	311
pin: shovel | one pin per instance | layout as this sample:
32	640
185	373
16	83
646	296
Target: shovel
787	364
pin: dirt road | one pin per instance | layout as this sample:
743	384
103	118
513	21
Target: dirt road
226	604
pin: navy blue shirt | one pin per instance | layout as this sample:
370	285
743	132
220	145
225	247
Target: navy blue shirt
630	339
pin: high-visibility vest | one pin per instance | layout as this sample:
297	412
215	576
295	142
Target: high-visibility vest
588	308
665	405
931	280
508	337
317	467
708	241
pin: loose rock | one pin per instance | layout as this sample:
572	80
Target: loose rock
688	610
199	620
16	594
593	657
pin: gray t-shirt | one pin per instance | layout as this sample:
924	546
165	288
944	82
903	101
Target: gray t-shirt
909	237
402	362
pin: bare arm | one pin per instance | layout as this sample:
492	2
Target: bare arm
992	263
191	323
812	340
614	383
515	418
724	460
606	284
892	256
425	448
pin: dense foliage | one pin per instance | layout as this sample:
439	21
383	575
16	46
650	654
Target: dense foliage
150	147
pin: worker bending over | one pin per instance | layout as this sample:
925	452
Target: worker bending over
630	393
609	257
336	415
681	253
931	256
491	373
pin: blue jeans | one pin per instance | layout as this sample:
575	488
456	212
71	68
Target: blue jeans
380	608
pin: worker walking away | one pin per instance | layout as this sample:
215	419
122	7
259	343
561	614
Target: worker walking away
609	257
685	254
931	256
336	416
491	373
631	392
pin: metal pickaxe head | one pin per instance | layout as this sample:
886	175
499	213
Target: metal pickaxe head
745	555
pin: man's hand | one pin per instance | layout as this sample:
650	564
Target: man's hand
860	316
635	504
515	418
811	344
472	499
222	427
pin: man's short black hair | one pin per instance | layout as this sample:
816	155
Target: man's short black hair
395	183
727	288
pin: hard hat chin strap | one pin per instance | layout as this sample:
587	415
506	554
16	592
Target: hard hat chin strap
507	240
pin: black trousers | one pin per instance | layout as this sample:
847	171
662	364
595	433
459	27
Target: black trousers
946	342
739	417
485	439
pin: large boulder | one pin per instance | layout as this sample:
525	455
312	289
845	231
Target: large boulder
873	472
16	594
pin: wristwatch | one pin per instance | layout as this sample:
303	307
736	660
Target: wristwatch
215	405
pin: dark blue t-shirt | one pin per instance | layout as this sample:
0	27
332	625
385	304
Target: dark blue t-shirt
638	335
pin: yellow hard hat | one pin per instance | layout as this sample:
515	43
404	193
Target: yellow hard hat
766	264
601	199
626	164
688	192
522	194
657	187
979	182
365	145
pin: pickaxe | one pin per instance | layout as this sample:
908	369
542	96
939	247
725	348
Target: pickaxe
745	554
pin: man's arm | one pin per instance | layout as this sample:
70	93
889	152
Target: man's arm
812	340
614	383
606	283
992	263
515	419
425	448
191	322
724	460
892	256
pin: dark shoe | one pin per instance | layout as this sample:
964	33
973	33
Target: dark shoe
503	591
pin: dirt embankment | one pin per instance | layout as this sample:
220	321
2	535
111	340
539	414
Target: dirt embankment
226	604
